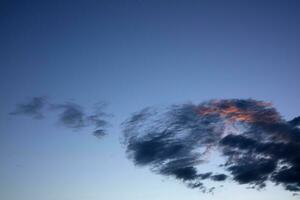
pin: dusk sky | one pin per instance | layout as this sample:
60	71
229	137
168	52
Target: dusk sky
73	70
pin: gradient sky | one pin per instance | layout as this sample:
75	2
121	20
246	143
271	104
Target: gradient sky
132	54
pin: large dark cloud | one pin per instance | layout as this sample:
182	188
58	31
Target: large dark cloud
69	114
257	145
295	121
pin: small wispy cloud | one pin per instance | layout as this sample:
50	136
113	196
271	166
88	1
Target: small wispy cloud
69	114
33	108
257	144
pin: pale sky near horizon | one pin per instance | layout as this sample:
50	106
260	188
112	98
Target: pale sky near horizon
132	54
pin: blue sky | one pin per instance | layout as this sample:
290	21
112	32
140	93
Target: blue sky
132	54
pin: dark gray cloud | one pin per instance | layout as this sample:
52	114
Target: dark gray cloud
99	133
98	118
33	108
295	121
69	114
257	144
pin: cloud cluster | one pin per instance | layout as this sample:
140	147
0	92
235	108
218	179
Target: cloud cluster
69	114
257	145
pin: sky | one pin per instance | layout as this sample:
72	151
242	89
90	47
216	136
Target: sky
131	55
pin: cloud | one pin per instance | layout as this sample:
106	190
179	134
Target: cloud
33	108
99	133
69	114
295	121
255	142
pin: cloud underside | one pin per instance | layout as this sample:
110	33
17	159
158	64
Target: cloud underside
255	142
69	114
